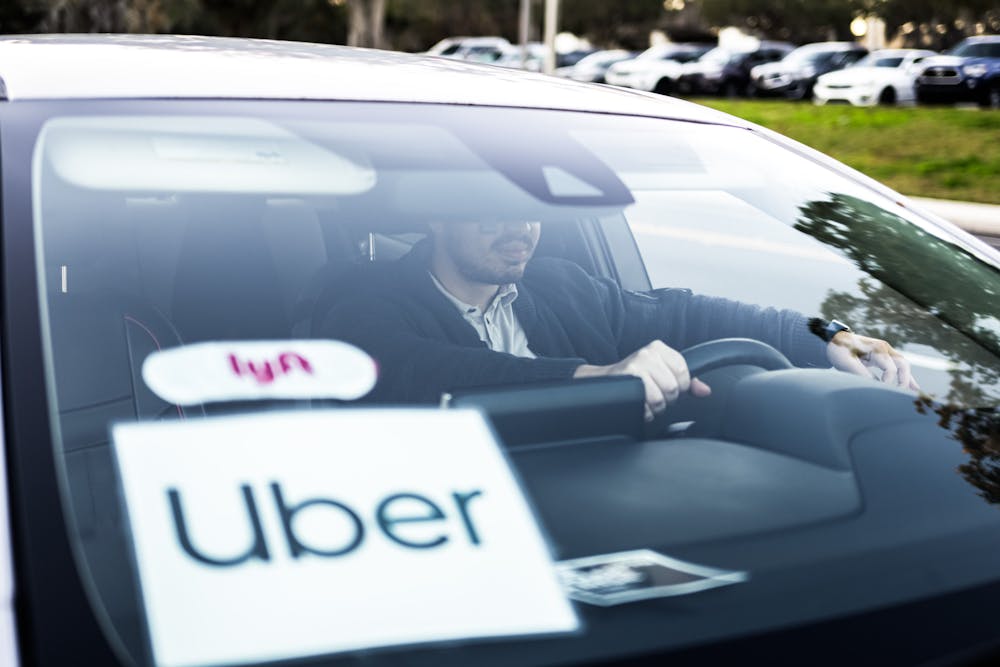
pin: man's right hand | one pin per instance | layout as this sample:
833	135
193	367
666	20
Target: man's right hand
663	372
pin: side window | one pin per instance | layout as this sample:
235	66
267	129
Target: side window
851	57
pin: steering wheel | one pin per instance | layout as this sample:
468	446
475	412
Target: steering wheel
714	354
709	356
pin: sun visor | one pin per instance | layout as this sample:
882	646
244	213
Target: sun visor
478	196
203	154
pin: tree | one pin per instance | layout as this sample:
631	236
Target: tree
366	23
415	25
927	23
914	291
300	20
21	17
793	20
624	23
304	20
931	23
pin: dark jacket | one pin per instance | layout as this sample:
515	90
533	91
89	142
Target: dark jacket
424	347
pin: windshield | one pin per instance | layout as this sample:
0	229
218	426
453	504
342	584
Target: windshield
671	52
657	52
717	55
876	60
808	54
978	50
603	59
485	257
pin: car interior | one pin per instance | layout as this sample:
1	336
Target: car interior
133	275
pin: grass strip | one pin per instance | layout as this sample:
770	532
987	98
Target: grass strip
948	153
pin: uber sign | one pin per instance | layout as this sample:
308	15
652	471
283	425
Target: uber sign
283	535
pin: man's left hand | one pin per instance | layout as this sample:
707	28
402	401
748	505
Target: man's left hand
856	354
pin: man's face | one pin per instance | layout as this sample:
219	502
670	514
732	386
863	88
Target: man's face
488	253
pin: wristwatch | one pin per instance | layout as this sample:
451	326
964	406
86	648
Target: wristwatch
832	328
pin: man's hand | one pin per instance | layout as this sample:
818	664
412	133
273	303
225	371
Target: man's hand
856	354
663	372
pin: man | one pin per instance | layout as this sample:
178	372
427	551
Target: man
468	307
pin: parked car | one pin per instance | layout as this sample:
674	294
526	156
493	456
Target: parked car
476	49
969	73
885	76
726	70
530	57
570	58
194	473
514	58
592	68
795	74
657	66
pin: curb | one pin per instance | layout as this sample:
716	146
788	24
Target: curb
981	219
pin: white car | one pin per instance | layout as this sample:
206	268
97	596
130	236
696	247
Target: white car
886	76
247	419
475	49
649	68
593	67
795	75
531	57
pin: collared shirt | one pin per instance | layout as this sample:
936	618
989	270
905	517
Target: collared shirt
497	326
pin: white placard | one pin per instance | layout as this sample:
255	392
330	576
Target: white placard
281	535
241	370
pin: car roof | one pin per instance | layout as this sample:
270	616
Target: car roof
898	53
601	54
830	46
772	45
466	41
39	67
669	47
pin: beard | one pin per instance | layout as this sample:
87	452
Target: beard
492	268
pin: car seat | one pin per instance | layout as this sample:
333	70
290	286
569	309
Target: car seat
99	341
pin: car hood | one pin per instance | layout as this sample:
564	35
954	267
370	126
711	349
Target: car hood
952	61
624	67
661	66
853	75
767	68
699	67
993	62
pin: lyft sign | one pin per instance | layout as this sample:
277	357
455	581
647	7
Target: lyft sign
282	535
220	371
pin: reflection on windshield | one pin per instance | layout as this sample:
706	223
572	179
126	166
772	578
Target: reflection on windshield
914	276
980	50
978	430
